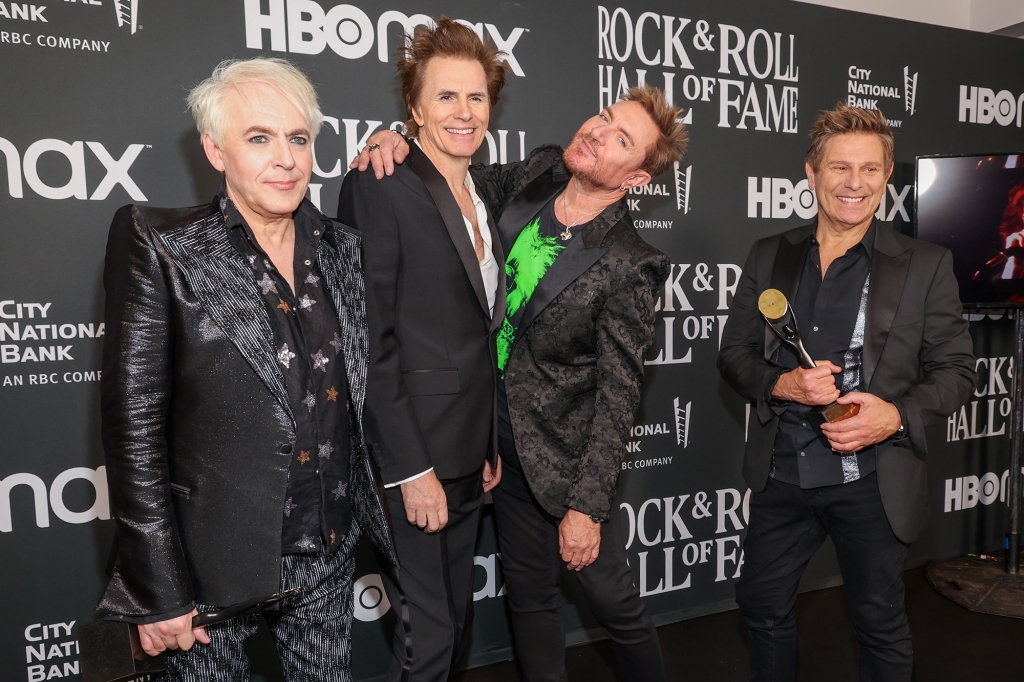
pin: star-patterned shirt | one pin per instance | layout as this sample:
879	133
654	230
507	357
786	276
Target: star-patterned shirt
308	347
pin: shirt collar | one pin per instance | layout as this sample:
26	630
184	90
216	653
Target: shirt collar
467	183
232	217
308	226
867	241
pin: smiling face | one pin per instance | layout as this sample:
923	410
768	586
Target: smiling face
453	108
850	180
608	149
265	154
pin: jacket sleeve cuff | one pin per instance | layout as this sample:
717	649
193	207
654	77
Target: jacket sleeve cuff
590	502
410	479
904	440
768	406
152	618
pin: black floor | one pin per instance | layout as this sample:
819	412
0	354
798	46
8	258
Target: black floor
950	644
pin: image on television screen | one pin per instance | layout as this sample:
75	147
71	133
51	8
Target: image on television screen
974	206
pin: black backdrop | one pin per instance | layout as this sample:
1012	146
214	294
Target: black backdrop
92	116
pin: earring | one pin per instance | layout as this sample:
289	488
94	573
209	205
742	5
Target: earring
623	188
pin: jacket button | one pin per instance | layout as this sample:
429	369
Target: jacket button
286	449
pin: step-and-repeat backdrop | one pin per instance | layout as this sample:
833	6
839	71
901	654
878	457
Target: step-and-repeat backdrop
92	116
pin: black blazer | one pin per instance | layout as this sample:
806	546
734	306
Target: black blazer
576	367
197	429
431	388
918	353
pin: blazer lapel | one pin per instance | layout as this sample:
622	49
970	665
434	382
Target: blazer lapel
789	264
527	204
452	216
224	284
341	267
580	254
890	264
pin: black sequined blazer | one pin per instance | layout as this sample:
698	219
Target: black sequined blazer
576	367
197	428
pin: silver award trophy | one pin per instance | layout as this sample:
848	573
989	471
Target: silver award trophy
780	319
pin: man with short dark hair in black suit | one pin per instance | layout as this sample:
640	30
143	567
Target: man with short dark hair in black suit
435	298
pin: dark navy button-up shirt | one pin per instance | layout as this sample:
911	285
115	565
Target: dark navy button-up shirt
826	312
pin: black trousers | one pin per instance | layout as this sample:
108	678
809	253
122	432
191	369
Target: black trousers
436	573
531	564
787	526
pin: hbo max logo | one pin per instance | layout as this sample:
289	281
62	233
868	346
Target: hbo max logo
348	30
780	198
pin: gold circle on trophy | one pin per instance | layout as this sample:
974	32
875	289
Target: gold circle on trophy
773	304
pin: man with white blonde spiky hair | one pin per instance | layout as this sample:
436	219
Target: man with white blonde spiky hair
232	398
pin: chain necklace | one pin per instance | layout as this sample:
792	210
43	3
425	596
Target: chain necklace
567	235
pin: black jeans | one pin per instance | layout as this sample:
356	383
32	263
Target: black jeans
787	526
531	564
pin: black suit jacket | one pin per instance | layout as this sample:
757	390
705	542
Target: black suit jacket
431	388
918	354
576	367
197	428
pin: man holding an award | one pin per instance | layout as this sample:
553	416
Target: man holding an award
846	337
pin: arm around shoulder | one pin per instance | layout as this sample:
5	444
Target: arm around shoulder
498	183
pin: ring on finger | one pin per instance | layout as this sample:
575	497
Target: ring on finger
372	147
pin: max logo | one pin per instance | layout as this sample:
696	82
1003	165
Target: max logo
74	153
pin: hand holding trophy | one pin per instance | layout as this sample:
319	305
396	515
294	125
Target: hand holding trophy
780	319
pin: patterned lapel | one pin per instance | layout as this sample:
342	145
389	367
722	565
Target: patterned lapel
224	284
341	267
579	255
527	204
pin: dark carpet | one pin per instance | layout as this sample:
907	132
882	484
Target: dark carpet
951	644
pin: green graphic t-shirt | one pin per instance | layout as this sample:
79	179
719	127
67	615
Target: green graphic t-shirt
532	255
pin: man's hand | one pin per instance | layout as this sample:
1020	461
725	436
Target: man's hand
492	475
876	421
176	633
808	386
579	540
393	149
425	503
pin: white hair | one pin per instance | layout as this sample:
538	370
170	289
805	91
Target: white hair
206	100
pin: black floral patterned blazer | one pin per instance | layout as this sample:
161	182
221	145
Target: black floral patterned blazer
576	367
197	428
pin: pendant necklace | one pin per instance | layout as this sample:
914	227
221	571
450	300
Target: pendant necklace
567	234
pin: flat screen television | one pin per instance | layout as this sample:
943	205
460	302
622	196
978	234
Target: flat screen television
974	206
